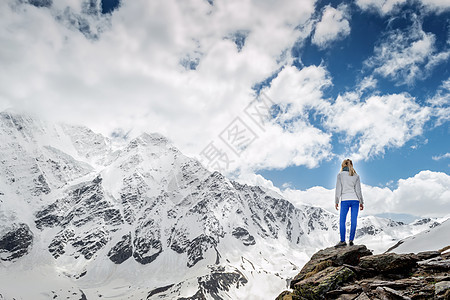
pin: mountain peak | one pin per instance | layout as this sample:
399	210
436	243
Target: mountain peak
154	138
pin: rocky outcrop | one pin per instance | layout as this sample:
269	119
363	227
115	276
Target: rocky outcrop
354	273
243	235
16	243
122	250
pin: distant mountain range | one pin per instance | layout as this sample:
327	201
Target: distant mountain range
82	218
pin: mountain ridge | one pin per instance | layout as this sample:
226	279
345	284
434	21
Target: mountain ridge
98	220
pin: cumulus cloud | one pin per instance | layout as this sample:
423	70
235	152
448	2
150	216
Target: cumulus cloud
288	138
279	147
186	70
133	74
333	25
403	55
427	194
370	125
377	123
415	194
298	91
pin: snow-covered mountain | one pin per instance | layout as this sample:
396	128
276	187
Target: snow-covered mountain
80	219
435	238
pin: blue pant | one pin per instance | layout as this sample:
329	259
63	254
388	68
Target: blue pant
345	205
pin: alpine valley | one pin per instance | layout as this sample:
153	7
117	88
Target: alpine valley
84	218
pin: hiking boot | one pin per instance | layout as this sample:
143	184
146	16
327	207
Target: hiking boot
341	244
350	243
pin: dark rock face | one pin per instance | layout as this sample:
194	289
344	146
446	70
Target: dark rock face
159	290
89	244
122	250
243	235
367	230
219	280
58	244
41	186
198	247
147	242
84	204
353	273
16	243
146	250
47	217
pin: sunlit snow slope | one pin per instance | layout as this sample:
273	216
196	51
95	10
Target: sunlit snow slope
436	238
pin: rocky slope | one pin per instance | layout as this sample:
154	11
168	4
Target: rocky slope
354	273
82	217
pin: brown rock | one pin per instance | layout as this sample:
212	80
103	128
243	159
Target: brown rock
347	297
441	287
349	291
316	286
437	263
332	274
286	295
386	293
390	262
354	288
428	254
362	296
331	257
397	284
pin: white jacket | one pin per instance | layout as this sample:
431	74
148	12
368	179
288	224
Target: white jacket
348	187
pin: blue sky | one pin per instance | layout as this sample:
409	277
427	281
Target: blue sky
364	79
344	60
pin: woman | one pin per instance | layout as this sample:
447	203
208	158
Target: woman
348	190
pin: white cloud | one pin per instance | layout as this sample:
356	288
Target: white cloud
334	25
290	139
438	6
367	83
403	55
443	156
131	76
437	59
440	103
298	144
370	125
377	123
385	7
381	6
251	178
427	194
298	91
315	196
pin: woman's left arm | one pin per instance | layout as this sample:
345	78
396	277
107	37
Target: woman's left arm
359	192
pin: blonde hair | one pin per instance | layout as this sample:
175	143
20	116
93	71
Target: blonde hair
348	163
